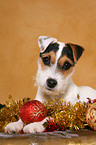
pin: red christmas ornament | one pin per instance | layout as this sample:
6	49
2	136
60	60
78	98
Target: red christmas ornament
32	111
91	115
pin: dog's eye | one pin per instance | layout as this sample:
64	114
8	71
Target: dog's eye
46	60
66	65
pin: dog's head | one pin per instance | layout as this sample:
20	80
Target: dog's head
56	64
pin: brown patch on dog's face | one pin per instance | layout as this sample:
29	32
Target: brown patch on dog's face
65	65
47	59
63	59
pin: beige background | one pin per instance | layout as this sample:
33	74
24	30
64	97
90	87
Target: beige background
22	21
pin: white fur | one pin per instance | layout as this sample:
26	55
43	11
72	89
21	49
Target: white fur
14	127
44	41
61	45
65	89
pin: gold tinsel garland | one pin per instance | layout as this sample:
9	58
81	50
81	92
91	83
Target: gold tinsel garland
10	111
66	114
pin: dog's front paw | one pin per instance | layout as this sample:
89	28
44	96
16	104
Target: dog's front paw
14	127
34	127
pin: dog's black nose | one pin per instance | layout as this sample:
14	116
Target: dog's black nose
51	83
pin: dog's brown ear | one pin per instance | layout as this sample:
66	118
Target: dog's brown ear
44	41
77	51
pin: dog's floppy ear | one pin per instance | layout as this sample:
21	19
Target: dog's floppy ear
77	51
44	41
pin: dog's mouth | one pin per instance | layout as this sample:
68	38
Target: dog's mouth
49	89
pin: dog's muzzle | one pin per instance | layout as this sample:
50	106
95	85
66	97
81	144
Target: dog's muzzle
51	83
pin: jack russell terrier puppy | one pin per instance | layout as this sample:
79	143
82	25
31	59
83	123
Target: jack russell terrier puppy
56	65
